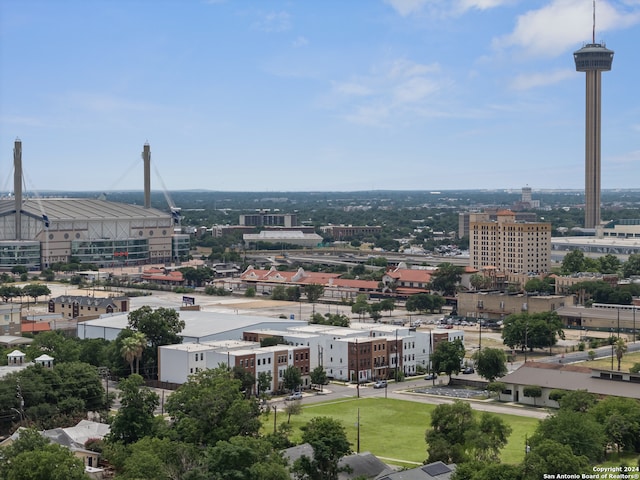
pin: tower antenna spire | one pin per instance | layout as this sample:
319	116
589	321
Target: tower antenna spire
594	22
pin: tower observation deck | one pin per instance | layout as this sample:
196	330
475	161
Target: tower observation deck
593	59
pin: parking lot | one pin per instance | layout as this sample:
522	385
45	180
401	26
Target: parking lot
454	392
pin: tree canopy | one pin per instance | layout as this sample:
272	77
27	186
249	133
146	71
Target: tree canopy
329	441
446	278
210	407
538	330
448	357
491	363
161	326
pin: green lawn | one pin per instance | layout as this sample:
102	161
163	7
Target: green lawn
628	360
394	429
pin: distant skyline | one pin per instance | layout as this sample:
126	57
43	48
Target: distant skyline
313	96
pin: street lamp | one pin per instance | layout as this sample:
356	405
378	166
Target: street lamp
610	339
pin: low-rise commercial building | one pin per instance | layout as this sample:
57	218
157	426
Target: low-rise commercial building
498	305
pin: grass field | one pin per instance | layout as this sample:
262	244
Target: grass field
605	363
394	429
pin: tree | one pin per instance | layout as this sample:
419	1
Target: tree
576	400
313	292
55	344
318	376
161	327
620	348
553	456
135	417
264	382
9	292
360	306
129	350
447	437
329	441
532	391
491	363
631	266
292	408
19	269
293	293
446	278
479	282
52	395
497	387
291	378
245	458
247	379
573	262
35	290
374	312
580	431
423	302
488	438
448	357
388	305
538	330
210	407
278	293
609	263
621	419
32	457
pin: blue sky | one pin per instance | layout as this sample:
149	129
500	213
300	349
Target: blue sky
313	95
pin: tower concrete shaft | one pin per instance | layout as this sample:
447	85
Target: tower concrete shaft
17	186
592	168
593	59
146	158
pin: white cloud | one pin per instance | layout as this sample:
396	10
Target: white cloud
414	90
407	7
464	5
352	88
392	90
443	7
300	42
103	103
274	22
563	24
527	81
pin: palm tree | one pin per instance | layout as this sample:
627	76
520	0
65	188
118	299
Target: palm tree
621	349
141	343
129	350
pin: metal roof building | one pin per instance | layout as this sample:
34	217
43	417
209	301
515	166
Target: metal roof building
36	232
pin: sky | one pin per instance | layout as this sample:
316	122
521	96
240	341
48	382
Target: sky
328	95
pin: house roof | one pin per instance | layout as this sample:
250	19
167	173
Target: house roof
569	377
156	274
361	465
359	284
28	326
88	301
410	275
435	470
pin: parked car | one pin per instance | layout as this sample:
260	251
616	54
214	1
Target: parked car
294	396
431	376
468	370
380	384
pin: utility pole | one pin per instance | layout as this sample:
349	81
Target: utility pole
396	374
358	444
275	416
357	370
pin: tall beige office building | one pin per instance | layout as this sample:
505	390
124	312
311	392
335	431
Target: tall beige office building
593	59
508	245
